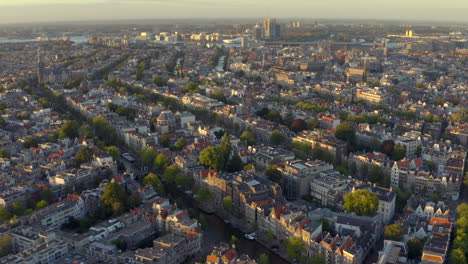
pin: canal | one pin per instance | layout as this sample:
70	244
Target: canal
216	230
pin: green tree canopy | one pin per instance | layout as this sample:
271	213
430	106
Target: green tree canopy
227	204
6	245
294	248
71	129
30	142
273	174
248	137
218	95
113	151
313	124
5	153
147	156
460	243
84	154
394	232
234	164
161	162
192	87
115	199
274	116
345	131
263	259
212	157
41	204
4	214
415	247
225	146
181	143
171	173
205	195
399	152
277	137
153	180
361	202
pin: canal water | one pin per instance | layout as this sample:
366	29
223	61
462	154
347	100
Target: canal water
216	230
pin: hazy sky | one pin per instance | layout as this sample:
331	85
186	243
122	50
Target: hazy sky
63	10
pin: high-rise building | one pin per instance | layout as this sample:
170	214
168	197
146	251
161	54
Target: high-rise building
244	42
257	33
270	29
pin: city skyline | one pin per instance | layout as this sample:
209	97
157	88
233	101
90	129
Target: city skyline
24	11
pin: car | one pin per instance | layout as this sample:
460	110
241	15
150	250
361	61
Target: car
249	237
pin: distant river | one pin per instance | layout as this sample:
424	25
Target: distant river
75	39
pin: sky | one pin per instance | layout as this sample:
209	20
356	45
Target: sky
26	11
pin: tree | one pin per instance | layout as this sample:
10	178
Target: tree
345	131
394	232
183	180
18	209
318	259
192	87
460	243
205	195
120	244
71	129
277	137
212	157
158	81
161	162
361	202
164	141
313	124
218	95
225	146
270	235
234	241
273	174
84	154
234	164
30	142
274	116
399	152
294	248
114	199
41	204
458	256
113	151
147	156
298	125
153	180
401	198
86	131
415	247
171	173
181	143
5	153
249	167
375	174
227	204
248	137
4	214
6	245
263	259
